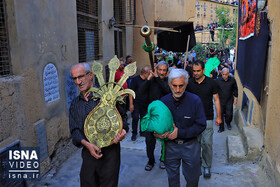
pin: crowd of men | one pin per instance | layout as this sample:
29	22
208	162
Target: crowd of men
211	25
188	94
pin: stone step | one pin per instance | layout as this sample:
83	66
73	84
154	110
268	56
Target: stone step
253	142
235	149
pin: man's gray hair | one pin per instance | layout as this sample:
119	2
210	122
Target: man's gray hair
162	63
87	67
145	69
225	70
178	73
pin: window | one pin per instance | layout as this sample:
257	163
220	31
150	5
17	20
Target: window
118	42
124	11
119	11
5	66
88	36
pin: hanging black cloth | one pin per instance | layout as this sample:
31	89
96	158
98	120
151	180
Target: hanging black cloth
177	41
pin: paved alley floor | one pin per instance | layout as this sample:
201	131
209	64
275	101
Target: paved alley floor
133	161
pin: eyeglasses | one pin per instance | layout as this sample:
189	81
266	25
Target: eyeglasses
80	76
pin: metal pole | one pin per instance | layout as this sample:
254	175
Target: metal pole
185	64
146	32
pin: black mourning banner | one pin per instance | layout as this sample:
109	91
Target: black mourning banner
251	58
177	41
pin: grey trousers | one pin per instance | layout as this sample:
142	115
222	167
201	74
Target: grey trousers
206	140
189	155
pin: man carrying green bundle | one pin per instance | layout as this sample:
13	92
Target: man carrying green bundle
189	122
158	120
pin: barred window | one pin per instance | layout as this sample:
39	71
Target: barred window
118	42
124	11
5	66
88	36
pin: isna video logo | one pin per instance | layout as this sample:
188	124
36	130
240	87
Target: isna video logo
23	163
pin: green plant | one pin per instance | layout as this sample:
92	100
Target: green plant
222	13
201	51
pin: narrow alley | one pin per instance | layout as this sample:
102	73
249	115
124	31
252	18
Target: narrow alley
132	173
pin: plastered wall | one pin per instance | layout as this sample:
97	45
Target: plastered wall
272	130
265	114
176	10
40	33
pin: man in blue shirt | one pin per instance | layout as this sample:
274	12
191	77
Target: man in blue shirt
189	122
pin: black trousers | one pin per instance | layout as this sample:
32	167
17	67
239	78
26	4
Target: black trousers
103	171
226	113
150	147
212	36
139	112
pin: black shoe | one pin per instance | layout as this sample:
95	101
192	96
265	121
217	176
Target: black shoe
133	137
149	167
220	130
207	173
229	126
161	165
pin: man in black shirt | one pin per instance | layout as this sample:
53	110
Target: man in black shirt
100	167
226	52
206	88
212	52
138	106
212	32
228	93
156	86
189	69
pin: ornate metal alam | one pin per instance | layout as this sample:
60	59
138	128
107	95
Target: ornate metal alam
104	121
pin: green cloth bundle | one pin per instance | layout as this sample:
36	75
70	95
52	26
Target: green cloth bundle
158	119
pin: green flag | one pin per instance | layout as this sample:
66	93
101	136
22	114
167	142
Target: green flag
211	64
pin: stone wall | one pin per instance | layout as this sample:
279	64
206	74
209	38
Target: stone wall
11	116
43	45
